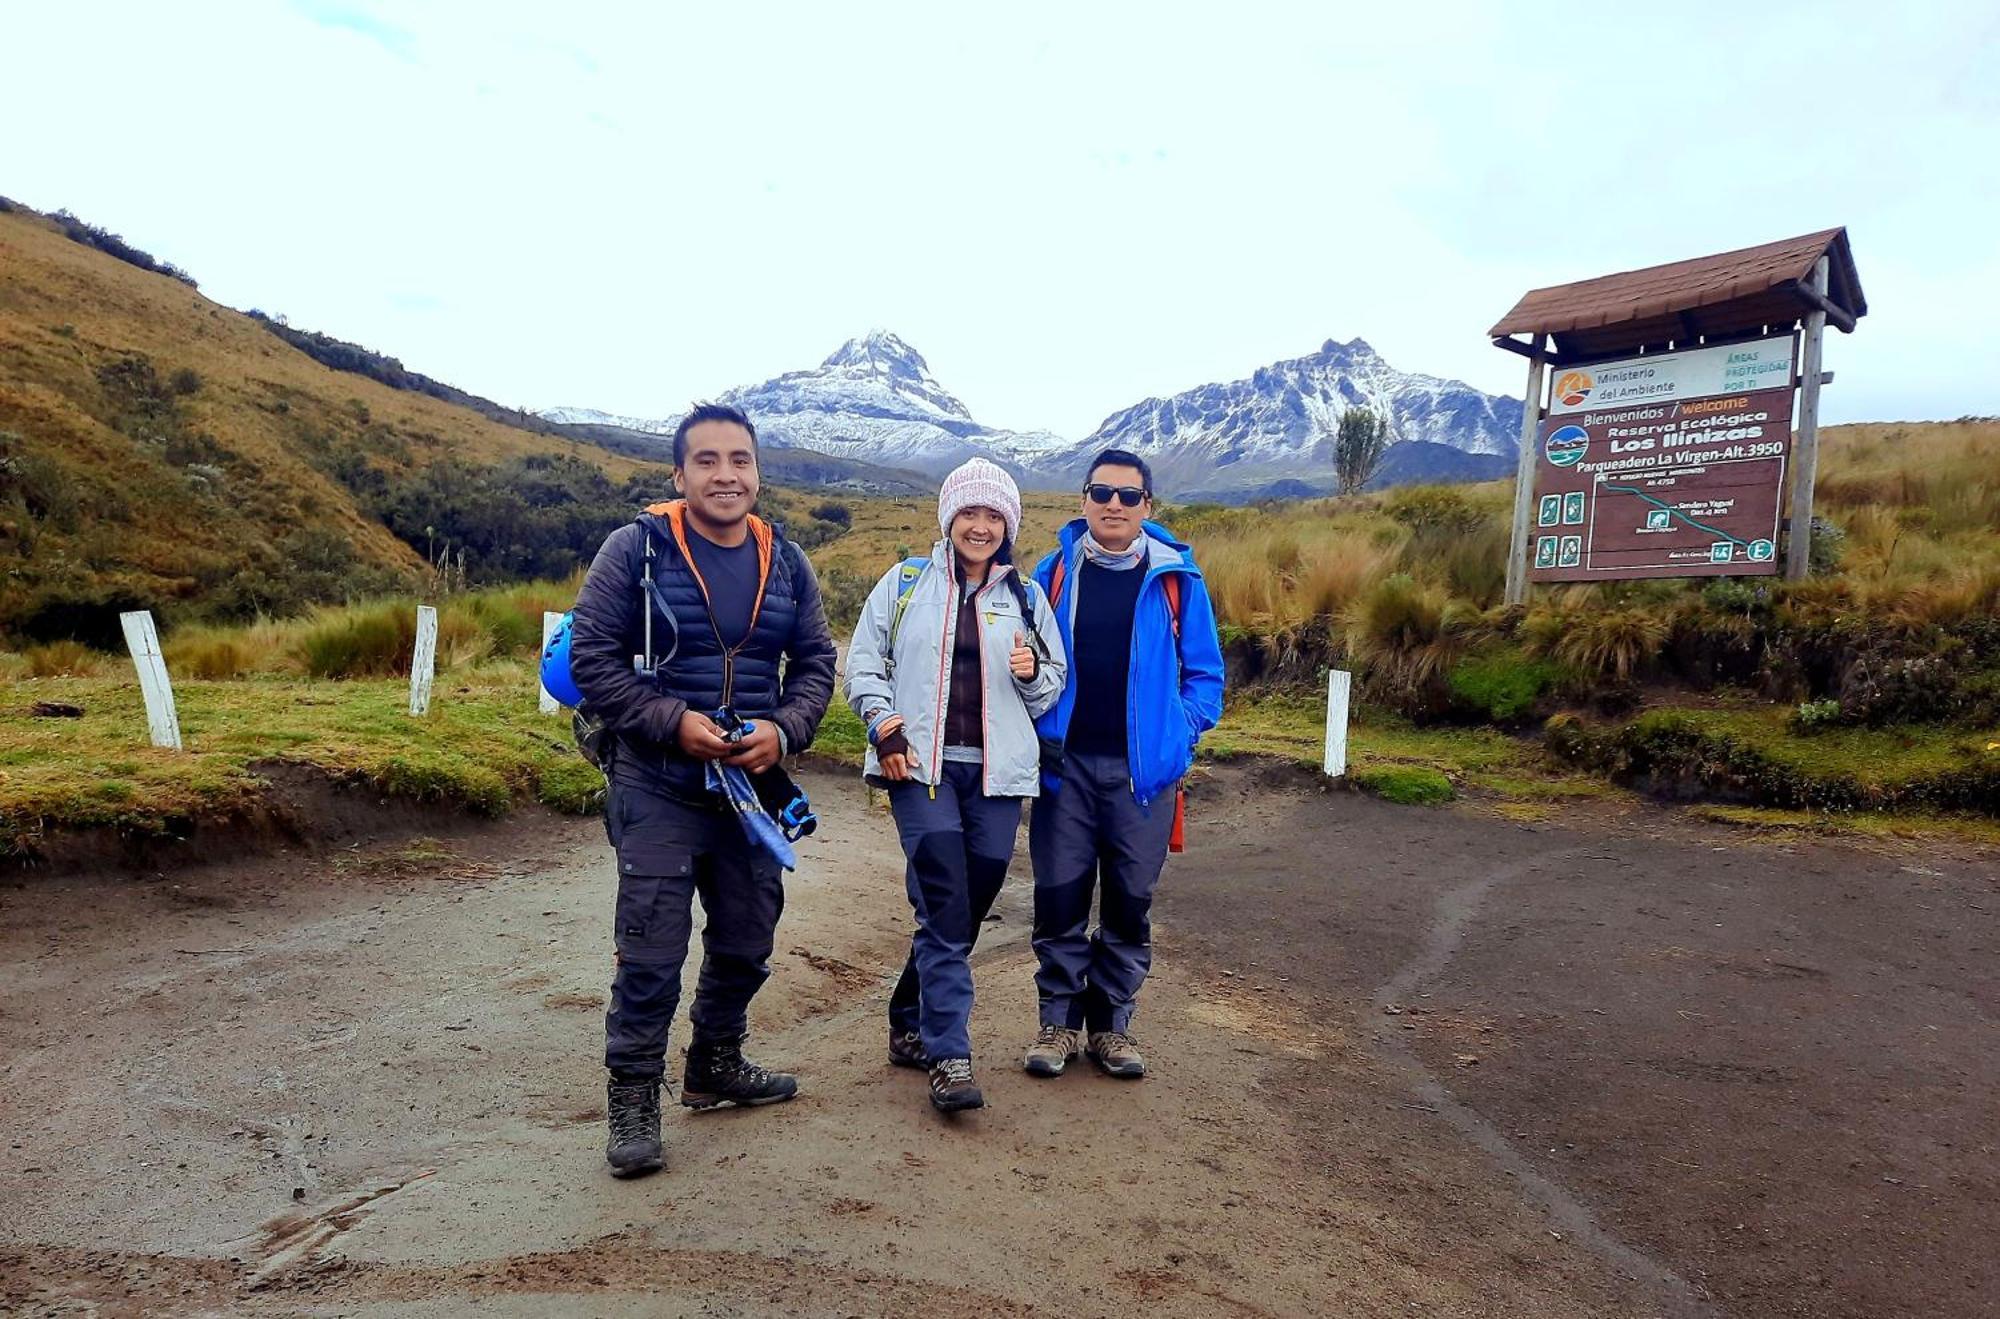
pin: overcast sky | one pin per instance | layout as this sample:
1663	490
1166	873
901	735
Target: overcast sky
1066	208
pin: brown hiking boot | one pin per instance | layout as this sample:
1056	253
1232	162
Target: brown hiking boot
1052	1050
1117	1054
906	1049
952	1086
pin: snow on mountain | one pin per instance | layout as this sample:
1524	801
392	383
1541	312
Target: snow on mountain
875	401
592	417
872	400
1275	427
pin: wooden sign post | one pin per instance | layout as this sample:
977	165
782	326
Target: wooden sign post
1805	452
162	723
1664	444
1524	476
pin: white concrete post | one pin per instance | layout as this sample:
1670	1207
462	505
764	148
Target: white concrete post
162	724
550	704
1338	682
423	664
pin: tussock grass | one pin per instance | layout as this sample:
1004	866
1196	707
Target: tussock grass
64	659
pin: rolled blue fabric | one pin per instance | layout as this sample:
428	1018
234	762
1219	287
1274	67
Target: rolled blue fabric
734	785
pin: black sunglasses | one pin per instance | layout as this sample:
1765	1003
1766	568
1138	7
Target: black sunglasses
1131	496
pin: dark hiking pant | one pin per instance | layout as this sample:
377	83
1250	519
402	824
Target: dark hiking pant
667	853
958	842
1087	839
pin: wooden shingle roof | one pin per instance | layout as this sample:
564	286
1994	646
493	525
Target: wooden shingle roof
1729	293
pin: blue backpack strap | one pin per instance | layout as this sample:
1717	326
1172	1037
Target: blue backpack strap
906	584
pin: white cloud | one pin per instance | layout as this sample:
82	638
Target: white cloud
1065	211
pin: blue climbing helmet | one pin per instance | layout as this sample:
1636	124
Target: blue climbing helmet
556	679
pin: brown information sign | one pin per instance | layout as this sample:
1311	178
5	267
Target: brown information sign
1653	467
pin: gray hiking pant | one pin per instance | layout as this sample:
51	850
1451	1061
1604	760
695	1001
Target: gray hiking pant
667	852
1087	839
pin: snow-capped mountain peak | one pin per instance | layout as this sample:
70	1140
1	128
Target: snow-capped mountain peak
874	400
883	350
1276	426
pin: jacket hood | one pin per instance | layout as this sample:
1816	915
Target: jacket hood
1162	548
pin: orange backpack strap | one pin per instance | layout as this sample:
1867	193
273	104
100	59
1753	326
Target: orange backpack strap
1056	579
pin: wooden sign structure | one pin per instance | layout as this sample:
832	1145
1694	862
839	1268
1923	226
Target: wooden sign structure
1662	443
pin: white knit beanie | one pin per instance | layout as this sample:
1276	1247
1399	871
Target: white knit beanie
980	484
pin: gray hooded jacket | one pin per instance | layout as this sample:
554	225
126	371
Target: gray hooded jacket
915	680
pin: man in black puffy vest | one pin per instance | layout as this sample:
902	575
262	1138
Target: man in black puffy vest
737	623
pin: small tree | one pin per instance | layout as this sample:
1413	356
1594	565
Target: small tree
1357	447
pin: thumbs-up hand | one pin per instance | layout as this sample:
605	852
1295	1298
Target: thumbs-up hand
1021	660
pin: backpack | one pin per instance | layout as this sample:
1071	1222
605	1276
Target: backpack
906	584
586	725
1171	584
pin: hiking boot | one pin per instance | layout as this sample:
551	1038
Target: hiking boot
952	1087
1117	1054
906	1049
718	1073
632	1111
1052	1050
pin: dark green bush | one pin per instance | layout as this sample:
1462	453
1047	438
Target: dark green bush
1500	686
1434	508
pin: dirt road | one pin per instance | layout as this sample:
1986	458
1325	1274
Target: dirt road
1408	1063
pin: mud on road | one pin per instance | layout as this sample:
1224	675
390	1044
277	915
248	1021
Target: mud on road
1407	1063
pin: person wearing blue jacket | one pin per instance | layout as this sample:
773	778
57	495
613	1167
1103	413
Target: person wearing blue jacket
1144	683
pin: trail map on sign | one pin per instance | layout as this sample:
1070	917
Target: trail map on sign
1669	485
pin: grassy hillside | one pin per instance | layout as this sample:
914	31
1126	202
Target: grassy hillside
159	450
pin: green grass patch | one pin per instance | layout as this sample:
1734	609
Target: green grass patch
841	737
1757	757
1292	727
484	748
1406	785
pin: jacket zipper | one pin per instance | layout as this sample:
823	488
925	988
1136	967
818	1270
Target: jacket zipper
944	677
985	722
1131	705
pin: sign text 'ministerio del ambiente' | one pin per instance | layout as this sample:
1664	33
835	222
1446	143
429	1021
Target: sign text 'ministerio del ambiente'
1666	466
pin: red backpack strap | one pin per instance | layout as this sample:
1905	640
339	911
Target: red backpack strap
1171	583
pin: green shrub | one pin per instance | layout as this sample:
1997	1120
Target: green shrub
1814	715
1502	686
1406	785
1434	508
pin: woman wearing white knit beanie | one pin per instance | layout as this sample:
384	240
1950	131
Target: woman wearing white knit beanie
955	656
